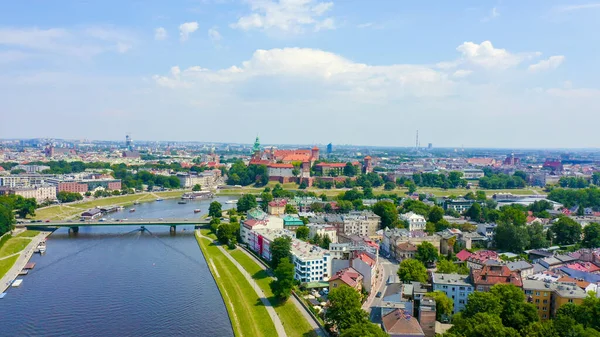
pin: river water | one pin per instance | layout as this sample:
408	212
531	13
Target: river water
119	281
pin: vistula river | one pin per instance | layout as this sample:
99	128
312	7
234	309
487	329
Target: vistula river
119	281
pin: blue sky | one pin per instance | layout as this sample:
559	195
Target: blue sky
474	73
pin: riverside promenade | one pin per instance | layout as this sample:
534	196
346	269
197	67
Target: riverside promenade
24	257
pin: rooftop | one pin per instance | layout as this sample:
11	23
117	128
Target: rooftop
454	279
349	276
398	322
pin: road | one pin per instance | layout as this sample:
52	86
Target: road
389	267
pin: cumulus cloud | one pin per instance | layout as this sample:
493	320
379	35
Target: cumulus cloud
185	29
551	63
462	73
160	34
214	35
290	16
486	56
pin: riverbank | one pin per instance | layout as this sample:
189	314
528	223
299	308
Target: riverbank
248	314
20	258
73	210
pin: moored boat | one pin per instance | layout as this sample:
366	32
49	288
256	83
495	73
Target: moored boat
132	210
197	210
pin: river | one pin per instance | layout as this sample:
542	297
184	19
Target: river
119	281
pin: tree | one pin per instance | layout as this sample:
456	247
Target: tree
513	214
412	270
509	237
25	206
284	273
214	224
567	231
325	241
515	312
444	306
302	233
316	207
482	302
350	170
436	214
474	212
246	202
280	249
412	188
540	329
65	196
591	236
426	253
289	209
295	171
226	233
537	237
446	267
328	208
481	325
7	217
345	308
364	329
265	198
344	206
389	186
196	188
388	213
214	210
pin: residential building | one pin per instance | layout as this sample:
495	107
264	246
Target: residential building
539	294
32	168
473	174
566	292
415	221
366	265
347	276
277	207
303	204
84	185
15	180
322	231
524	268
40	193
487	229
392	238
292	222
481	258
406	250
455	286
483	279
427	313
398	323
459	205
361	223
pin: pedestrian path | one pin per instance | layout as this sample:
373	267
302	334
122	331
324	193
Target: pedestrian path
24	257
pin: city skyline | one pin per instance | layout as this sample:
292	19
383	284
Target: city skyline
478	75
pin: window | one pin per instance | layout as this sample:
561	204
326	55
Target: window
545	301
462	294
545	308
537	300
537	293
545	293
461	288
570	300
453	289
461	301
445	287
528	292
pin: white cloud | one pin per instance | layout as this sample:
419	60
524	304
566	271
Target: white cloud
574	92
486	56
461	73
571	8
12	56
185	29
214	35
365	25
160	34
551	63
290	16
494	13
85	42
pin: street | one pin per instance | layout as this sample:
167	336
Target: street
389	267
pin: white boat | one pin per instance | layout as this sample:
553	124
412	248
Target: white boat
159	199
17	283
231	202
42	249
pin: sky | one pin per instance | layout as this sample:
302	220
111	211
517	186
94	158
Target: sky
479	73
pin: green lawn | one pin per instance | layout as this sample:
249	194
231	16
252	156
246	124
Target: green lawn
248	315
28	234
291	318
208	232
14	245
6	264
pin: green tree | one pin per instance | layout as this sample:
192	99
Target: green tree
515	313
65	196
246	202
412	188
481	325
591	236
344	206
265	198
388	213
426	253
389	186
540	329
280	249
444	306
214	210
446	267
364	329
295	172
214	225
345	308
196	188
284	282
482	302
25	206
436	214
350	170
537	236
474	212
513	214
325	242
328	208
7	217
509	237
226	233
302	233
567	231
289	209
412	270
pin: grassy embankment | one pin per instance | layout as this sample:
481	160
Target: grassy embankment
249	317
294	323
28	234
6	264
65	211
13	246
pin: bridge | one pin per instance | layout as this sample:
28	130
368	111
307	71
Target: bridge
74	225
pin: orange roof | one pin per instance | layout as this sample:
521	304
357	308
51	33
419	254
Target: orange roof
401	323
349	276
277	165
580	284
315	148
331	165
494	274
368	157
366	258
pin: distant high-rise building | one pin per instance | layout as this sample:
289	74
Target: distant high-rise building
128	142
430	146
329	148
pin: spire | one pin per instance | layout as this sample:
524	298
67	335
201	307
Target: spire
256	146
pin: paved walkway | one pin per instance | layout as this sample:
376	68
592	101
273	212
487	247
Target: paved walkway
24	257
297	303
259	292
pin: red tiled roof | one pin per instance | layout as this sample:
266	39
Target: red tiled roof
407	247
368	158
278	165
339	165
278	203
1	168
365	258
463	255
349	276
580	284
490	275
259	162
400	323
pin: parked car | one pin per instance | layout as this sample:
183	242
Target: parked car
378	295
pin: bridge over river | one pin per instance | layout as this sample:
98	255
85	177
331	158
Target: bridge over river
74	225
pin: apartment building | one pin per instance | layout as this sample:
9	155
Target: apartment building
455	286
361	223
548	296
40	193
415	221
323	230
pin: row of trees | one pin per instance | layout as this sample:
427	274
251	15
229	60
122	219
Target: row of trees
65	196
585	197
240	174
502	181
131	180
11	204
573	182
453	179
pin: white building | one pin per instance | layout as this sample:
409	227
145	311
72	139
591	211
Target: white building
280	170
361	223
323	230
473	174
259	223
312	263
415	221
40	193
31	168
455	286
207	180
